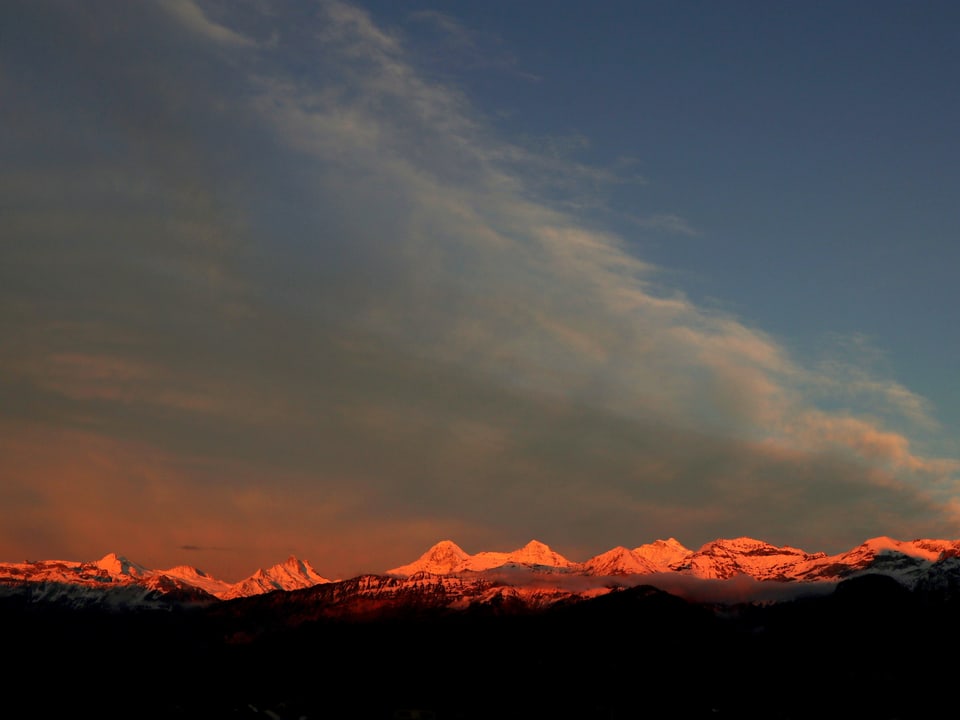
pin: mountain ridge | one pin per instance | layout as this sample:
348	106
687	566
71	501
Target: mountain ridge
528	574
702	632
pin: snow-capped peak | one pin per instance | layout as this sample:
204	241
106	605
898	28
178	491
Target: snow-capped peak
537	553
535	568
725	558
444	558
118	565
906	560
663	554
197	578
292	574
923	549
297	570
618	561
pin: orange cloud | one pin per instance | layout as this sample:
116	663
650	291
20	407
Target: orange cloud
867	441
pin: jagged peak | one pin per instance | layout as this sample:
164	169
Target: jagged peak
301	568
736	542
663	553
120	565
720	558
293	563
670	542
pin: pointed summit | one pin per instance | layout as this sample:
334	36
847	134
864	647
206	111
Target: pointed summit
292	574
119	565
296	566
442	559
663	554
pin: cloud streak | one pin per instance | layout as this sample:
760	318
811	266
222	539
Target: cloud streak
193	18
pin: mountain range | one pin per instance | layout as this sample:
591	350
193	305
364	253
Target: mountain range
740	568
738	628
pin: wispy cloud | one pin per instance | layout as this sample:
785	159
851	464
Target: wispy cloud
488	275
195	20
854	370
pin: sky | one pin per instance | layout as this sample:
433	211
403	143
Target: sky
341	280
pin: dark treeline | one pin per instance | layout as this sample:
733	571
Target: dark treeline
871	649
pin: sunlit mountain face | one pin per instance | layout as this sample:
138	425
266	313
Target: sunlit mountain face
737	628
739	568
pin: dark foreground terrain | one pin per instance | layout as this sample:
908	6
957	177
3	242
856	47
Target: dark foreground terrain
870	650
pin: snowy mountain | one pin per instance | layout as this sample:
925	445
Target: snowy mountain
447	557
442	559
663	554
199	579
116	580
619	561
519	634
719	559
293	574
723	559
532	576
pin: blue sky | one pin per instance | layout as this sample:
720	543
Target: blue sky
344	279
806	148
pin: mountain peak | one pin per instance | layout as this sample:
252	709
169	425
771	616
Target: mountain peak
928	550
538	553
443	558
909	562
119	565
185	571
446	557
619	561
293	568
663	554
293	563
292	574
445	546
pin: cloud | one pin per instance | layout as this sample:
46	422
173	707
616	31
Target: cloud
321	297
868	441
194	19
852	368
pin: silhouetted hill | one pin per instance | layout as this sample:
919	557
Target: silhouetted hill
870	649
